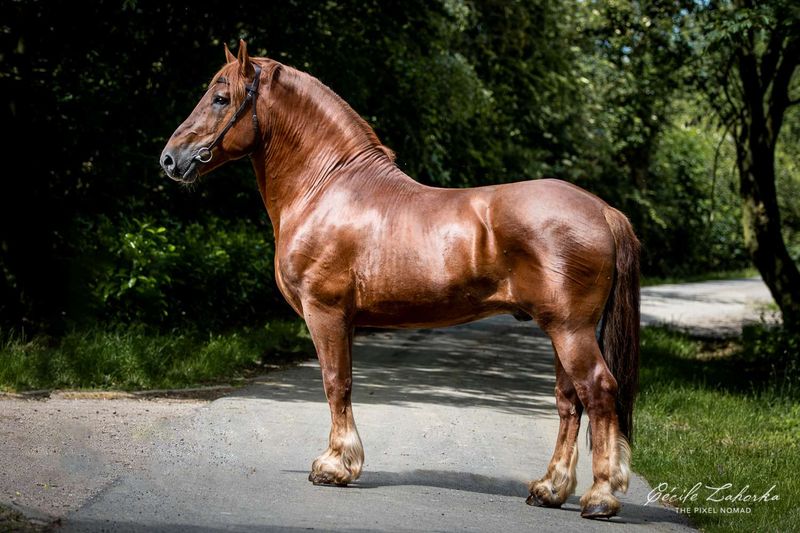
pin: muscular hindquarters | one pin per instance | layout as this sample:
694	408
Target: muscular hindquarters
558	249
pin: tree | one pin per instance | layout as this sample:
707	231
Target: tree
636	58
751	54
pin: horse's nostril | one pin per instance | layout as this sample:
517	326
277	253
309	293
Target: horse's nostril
167	162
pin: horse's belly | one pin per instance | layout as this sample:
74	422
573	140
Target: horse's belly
423	303
426	317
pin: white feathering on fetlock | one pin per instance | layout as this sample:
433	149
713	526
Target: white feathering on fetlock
620	465
565	479
352	453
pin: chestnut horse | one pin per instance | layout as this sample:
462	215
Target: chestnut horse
359	243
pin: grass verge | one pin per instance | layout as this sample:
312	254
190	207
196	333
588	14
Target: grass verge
708	414
132	357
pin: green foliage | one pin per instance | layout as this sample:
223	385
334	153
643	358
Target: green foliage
690	219
135	357
763	362
777	349
747	55
140	273
652	157
749	272
787	181
204	275
703	417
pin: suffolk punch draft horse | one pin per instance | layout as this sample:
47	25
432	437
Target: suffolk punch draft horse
359	243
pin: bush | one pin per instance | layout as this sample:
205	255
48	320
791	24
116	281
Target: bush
210	275
778	349
137	279
688	225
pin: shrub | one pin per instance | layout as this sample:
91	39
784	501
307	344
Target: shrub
211	274
778	349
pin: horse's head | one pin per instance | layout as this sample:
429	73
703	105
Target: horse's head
223	125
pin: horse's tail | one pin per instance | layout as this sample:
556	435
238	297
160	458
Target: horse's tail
619	338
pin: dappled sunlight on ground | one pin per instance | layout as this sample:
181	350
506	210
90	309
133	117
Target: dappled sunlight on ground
498	363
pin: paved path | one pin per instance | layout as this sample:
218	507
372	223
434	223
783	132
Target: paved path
712	308
454	421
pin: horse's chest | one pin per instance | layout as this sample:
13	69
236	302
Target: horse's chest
323	274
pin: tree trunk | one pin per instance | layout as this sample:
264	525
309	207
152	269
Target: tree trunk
765	78
761	219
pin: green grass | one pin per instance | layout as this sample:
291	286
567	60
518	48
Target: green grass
709	414
708	276
132	357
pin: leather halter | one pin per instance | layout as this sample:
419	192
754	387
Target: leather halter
203	154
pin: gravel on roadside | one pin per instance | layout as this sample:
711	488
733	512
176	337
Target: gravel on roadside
58	452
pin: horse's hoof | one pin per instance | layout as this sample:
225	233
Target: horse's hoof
535	501
600	510
323	478
542	495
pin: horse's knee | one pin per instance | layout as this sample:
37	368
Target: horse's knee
336	380
338	389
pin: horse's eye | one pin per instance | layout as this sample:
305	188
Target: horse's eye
220	100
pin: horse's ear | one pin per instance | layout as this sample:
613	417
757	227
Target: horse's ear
244	59
229	57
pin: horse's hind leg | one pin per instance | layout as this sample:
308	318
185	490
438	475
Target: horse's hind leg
559	482
333	338
579	353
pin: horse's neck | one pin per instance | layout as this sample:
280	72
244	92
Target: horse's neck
314	139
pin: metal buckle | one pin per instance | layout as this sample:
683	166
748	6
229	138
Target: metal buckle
199	156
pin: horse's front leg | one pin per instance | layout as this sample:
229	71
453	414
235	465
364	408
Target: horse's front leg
333	338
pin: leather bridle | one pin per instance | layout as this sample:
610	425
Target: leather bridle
203	154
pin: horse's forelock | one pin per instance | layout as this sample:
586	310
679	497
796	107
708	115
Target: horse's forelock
236	82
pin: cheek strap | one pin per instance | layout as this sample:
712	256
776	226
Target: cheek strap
203	154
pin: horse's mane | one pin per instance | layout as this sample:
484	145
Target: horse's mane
321	95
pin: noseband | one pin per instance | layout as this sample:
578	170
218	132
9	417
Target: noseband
203	154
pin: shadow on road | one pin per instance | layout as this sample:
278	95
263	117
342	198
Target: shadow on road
442	479
496	363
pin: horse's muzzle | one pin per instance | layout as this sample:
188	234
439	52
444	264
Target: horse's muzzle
183	169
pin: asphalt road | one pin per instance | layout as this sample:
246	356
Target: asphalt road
454	421
712	308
